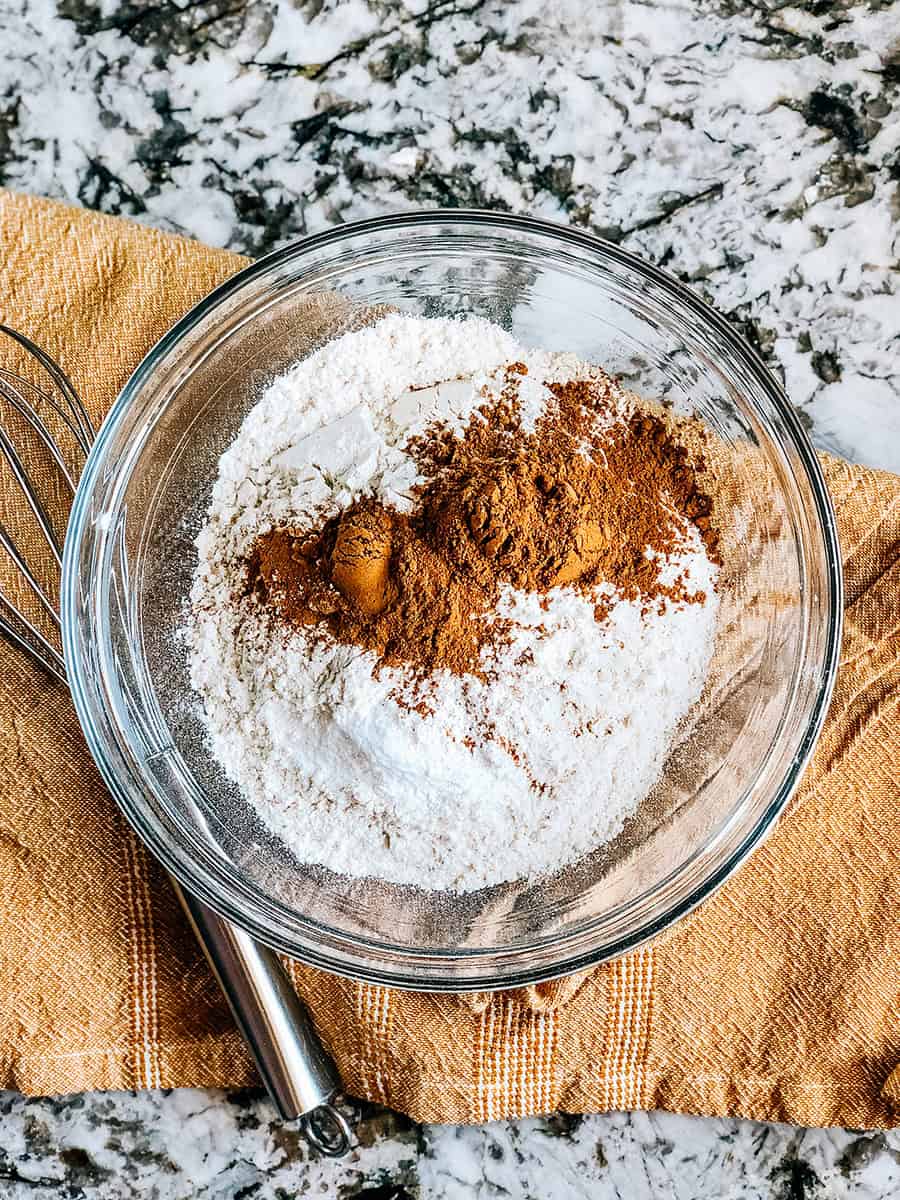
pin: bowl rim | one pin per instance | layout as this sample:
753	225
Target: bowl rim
184	867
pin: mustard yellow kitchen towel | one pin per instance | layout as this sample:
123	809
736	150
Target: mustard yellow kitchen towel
776	999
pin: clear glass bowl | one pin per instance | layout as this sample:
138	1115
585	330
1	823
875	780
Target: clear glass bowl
129	558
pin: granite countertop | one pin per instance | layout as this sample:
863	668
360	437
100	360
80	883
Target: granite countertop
750	146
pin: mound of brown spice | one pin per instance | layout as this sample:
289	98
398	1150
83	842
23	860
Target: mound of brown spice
585	499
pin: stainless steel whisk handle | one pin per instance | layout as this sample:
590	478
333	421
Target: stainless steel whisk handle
299	1076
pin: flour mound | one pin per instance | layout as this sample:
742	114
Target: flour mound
506	775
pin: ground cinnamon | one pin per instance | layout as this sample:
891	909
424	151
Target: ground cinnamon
585	499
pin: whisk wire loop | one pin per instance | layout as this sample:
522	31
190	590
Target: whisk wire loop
39	648
27	399
62	382
33	499
11	389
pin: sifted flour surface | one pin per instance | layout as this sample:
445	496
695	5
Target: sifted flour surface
332	749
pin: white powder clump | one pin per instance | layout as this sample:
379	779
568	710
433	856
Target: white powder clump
329	748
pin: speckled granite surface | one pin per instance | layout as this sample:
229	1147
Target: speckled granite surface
187	1144
750	146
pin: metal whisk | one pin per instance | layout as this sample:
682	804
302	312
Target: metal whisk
300	1078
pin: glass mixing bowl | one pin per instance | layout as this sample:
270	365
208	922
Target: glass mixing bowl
130	555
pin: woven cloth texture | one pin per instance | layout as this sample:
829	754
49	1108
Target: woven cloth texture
776	999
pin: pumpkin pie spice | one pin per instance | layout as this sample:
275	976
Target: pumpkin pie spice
579	502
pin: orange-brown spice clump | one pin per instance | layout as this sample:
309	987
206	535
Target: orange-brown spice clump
432	619
583	500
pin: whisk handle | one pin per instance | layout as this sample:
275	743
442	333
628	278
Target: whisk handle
299	1076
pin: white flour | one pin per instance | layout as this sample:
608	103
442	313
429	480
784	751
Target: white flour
343	773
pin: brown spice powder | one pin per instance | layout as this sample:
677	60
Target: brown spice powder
579	502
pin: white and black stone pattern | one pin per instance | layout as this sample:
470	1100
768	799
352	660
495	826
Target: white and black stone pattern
750	146
185	1144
